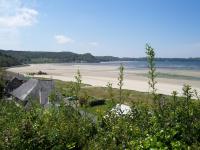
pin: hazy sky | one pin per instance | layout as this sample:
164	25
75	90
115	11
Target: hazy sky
102	27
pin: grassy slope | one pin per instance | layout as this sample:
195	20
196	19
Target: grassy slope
130	96
101	93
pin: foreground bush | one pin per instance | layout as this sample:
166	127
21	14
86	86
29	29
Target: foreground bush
148	126
38	128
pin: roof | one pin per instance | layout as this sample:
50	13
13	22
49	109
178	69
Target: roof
25	89
34	88
16	78
14	83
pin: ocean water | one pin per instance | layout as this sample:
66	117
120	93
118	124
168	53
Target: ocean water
167	64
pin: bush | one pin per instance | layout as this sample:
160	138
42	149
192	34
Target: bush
82	101
97	102
52	128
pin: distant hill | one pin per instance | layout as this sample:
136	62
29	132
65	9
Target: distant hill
7	60
11	58
26	57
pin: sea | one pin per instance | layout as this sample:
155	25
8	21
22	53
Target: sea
186	64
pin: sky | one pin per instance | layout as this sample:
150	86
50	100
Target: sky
102	27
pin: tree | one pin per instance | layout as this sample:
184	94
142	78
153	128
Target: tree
77	85
120	83
152	69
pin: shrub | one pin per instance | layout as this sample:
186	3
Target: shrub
97	102
82	101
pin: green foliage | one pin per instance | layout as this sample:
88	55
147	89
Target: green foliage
84	99
7	60
38	128
110	91
53	97
11	58
120	82
196	94
152	69
63	128
77	85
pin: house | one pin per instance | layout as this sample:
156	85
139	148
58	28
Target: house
34	89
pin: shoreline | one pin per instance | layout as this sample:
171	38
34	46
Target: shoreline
100	75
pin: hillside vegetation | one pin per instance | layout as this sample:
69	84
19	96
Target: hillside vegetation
7	60
25	57
11	58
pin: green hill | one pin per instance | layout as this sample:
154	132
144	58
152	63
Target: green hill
11	58
7	60
25	57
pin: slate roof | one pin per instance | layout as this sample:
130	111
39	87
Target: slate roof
25	89
35	89
13	84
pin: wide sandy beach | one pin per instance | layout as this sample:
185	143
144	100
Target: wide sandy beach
100	75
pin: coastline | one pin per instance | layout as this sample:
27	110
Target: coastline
100	75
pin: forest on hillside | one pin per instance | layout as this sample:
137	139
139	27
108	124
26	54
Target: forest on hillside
25	57
7	60
12	58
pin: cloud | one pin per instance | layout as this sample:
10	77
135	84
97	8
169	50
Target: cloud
14	15
95	44
61	39
23	17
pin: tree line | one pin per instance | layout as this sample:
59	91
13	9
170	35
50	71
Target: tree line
12	58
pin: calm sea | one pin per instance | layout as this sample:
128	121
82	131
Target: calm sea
172	64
